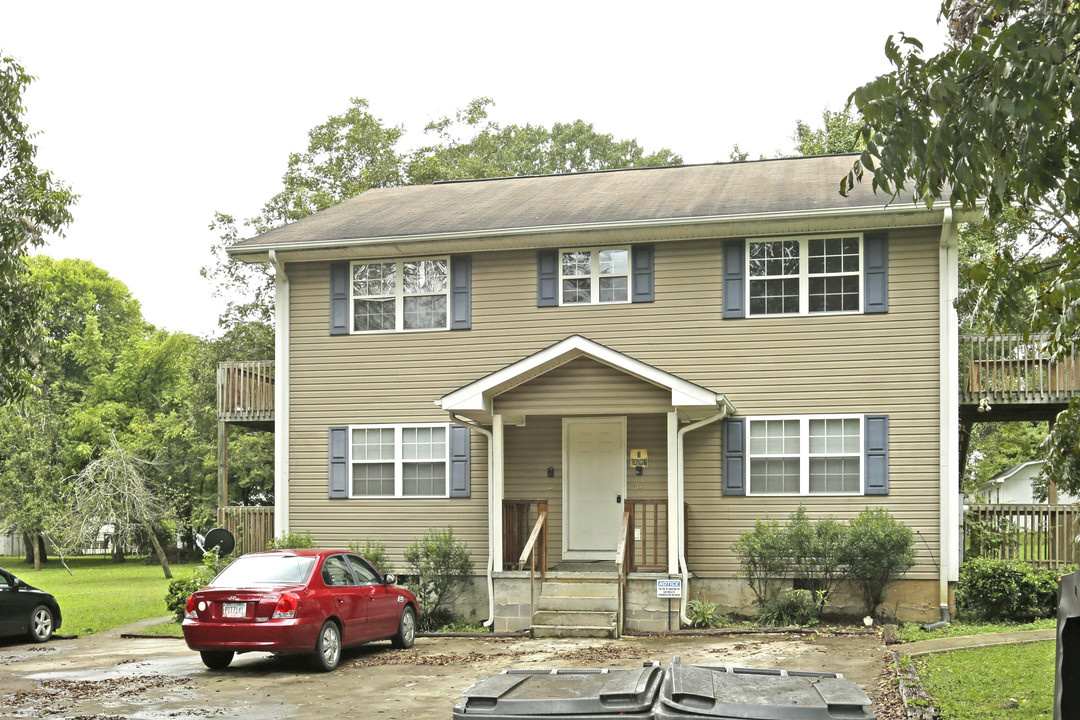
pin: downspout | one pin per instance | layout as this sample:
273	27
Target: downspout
490	525
725	408
949	409
281	396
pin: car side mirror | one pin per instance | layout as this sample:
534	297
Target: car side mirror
389	578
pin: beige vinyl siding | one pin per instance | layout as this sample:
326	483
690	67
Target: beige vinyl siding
884	363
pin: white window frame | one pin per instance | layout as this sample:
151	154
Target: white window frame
398	461
804	274
805	455
399	295
594	275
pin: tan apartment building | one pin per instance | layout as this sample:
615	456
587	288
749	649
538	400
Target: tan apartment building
618	373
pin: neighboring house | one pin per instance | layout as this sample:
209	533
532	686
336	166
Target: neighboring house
1014	486
700	345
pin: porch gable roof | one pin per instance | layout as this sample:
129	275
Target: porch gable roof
690	400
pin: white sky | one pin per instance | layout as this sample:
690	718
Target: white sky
159	114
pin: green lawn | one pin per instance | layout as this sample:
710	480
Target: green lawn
99	594
913	632
1004	681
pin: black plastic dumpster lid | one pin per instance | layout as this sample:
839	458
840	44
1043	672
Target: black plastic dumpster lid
698	691
567	694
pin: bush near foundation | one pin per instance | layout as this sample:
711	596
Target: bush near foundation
995	589
438	570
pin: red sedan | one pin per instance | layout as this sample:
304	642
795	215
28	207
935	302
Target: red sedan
297	601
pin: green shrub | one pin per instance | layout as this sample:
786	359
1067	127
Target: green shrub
879	550
181	588
994	589
376	553
791	608
763	559
439	567
291	541
816	553
703	613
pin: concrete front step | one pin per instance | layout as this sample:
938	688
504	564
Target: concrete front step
574	619
558	631
554	588
566	602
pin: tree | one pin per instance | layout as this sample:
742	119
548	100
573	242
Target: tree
839	133
997	446
32	203
995	115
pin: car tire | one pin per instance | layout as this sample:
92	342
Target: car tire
41	624
216	659
406	634
327	653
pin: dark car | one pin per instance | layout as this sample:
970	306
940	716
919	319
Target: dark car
297	601
26	611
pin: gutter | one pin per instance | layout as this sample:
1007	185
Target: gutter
726	408
490	525
281	396
896	209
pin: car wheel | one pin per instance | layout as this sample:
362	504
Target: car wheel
41	624
327	653
216	659
406	634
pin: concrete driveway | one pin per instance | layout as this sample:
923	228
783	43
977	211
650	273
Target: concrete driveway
106	676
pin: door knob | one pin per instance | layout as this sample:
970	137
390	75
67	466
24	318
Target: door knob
618	498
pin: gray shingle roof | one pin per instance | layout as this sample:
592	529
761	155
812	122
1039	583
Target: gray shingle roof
689	191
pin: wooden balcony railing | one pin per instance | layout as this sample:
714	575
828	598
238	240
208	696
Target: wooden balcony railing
1039	534
646	548
519	519
252	526
245	391
1009	369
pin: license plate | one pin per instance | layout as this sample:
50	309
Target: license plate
234	610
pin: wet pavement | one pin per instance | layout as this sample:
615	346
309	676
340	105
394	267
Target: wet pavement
106	676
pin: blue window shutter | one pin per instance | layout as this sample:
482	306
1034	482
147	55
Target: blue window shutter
339	298
642	276
876	273
734	463
547	278
876	450
734	272
460	462
339	462
461	292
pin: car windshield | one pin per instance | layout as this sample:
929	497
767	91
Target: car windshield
265	570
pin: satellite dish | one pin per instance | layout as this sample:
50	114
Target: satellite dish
220	541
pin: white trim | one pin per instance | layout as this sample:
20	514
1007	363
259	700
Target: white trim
804	273
804	455
281	396
949	418
594	276
567	553
896	208
399	295
476	396
399	461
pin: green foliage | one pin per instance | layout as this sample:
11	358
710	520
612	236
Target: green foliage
792	608
292	541
439	567
763	559
839	133
991	589
32	204
880	549
376	553
991	683
997	446
703	613
989	536
181	588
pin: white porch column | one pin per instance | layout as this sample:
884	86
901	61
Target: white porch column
674	494
495	487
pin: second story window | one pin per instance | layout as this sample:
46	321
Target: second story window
400	295
805	276
594	276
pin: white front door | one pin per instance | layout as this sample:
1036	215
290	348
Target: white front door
594	486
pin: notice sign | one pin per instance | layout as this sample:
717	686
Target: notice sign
669	588
639	458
